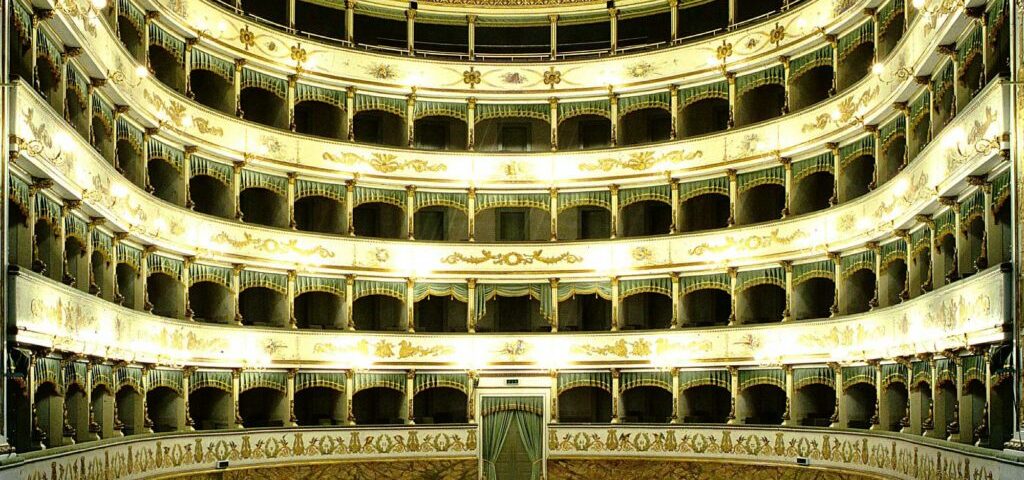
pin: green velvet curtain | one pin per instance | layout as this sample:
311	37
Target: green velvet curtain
426	108
487	111
921	371
697	378
130	133
888	12
206	61
133	13
688	190
692	283
945	370
458	291
76	227
363	288
215	379
309	188
945	223
803	377
942	82
19	193
103	110
78	82
661	285
864	146
21	18
570	380
102	375
270	83
766	276
130	377
198	272
172	267
320	284
394	106
661	379
567	290
485	201
854	262
853	375
772	175
968	49
424	381
392	380
920	108
272	380
499	413
158	377
277	282
160	150
972	207
892	130
539	291
657	193
974	368
893	373
819	269
805	63
1000	190
129	255
893	251
766	376
819	163
47	209
691	95
456	200
920	240
74	373
865	33
311	93
995	17
593	198
332	380
772	75
659	100
252	179
48	370
567	110
164	39
103	243
203	166
51	50
363	195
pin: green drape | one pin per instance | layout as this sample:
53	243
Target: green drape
160	150
767	376
692	283
697	378
218	66
888	12
498	415
394	106
130	377
18	192
376	11
921	371
531	431
803	377
129	255
270	83
920	108
424	381
277	282
893	373
819	163
78	82
661	379
864	146
164	39
487	111
198	272
857	261
659	100
945	223
103	243
425	108
892	130
656	193
272	380
172	267
974	368
972	207
570	380
539	291
102	375
661	285
103	110
995	18
945	370
766	276
332	380
74	373
892	252
456	200
820	269
458	291
942	81
215	379
48	370
49	49
320	284
132	13
772	175
203	166
76	227
969	48
128	132
688	190
156	377
920	240
567	110
366	380
47	209
567	290
311	93
865	33
773	75
309	188
363	288
252	179
485	201
363	195
21	18
593	198
495	429
805	63
1000	190
691	95
858	374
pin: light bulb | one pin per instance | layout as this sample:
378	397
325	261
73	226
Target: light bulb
99	4
141	71
877	69
918	4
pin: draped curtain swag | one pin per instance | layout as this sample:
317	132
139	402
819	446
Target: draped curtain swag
771	76
19	193
22	19
424	381
218	66
920	108
767	276
47	209
567	110
277	282
50	50
945	370
893	373
485	201
376	11
818	163
272	380
219	171
857	261
892	130
570	380
428	108
693	283
394	106
820	269
1000	190
332	380
772	175
490	404
103	243
310	93
567	290
335	286
162	38
968	49
538	291
252	179
996	18
487	111
171	379
692	95
718	186
198	272
945	223
628	288
892	252
920	240
458	291
102	110
309	188
132	13
942	82
78	82
129	377
130	133
129	255
363	288
659	100
214	379
47	370
974	368
821	57
921	371
698	378
363	195
74	374
160	150
659	379
656	193
803	377
864	146
888	12
270	83
76	227
858	374
102	375
366	380
593	198
172	267
971	208
456	200
769	376
865	33
499	413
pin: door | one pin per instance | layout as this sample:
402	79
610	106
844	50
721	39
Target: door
513	462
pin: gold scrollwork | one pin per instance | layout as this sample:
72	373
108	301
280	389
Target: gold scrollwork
511	259
385	162
620	348
271	246
845	113
640	161
753	242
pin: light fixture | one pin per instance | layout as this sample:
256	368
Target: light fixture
120	77
99	4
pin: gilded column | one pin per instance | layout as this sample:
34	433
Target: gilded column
553	374
350	282
615	303
410	118
410	305
732	271
239	63
733	195
905	236
953	429
471	305
553	18
730	77
553	207
616	397
94	428
837	168
958	238
676	394
410	380
876	423
350	112
838	275
236	186
291	14
673	96
950	51
613	18
674	198
734	393
553	115
350	195
236	289
290	100
787	313
787	165
988	217
290	199
410	211
614	189
833	41
146	134
410	30
471	35
877	251
470	123
929	280
189	44
905	111
236	387
144	276
837	414
350	385
471	214
186	174
186	388
673	18
784	60
554	304
474	382
350	20
292	321
787	414
292	420
148	20
613	104
676	300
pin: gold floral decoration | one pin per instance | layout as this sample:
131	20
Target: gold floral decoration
385	162
640	161
642	69
381	71
471	77
552	77
511	259
299	54
845	113
749	243
246	37
271	246
724	50
642	254
620	348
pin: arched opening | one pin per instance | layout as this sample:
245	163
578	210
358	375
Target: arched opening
49	261
893	409
512	135
921	408
858	292
74	110
894	157
647	217
859	402
647	405
165	406
49	409
646	311
103	410
212	90
584	132
379	220
102	283
893	282
584	223
320	214
763	303
321	119
814	298
437	314
761	404
76	404
379	128
704	212
945	259
762	203
167	68
166	294
165	181
512	314
76	264
970	81
127	277
263	207
585	313
920	127
130	164
263	407
705	116
890	29
211	196
378	313
1001	237
211	303
972	409
759	104
811	87
647	125
18	240
513	224
130	36
813	405
131	411
263	307
706	404
103	138
438	132
20	431
320	406
585	405
998	41
378	406
1000	423
974	237
856	64
945	408
211	409
263	107
856	177
320	310
812	193
919	270
440	405
751	9
446	224
707	307
20	40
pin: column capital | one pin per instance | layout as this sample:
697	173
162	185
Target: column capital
948	50
977	180
471	19
120	109
239	63
901	233
787	265
925	219
901	106
872	246
237	267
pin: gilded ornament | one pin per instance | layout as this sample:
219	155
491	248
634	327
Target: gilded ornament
299	54
552	77
471	77
641	69
271	246
381	71
749	243
621	348
511	259
642	254
385	162
513	78
246	38
723	51
515	349
640	161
